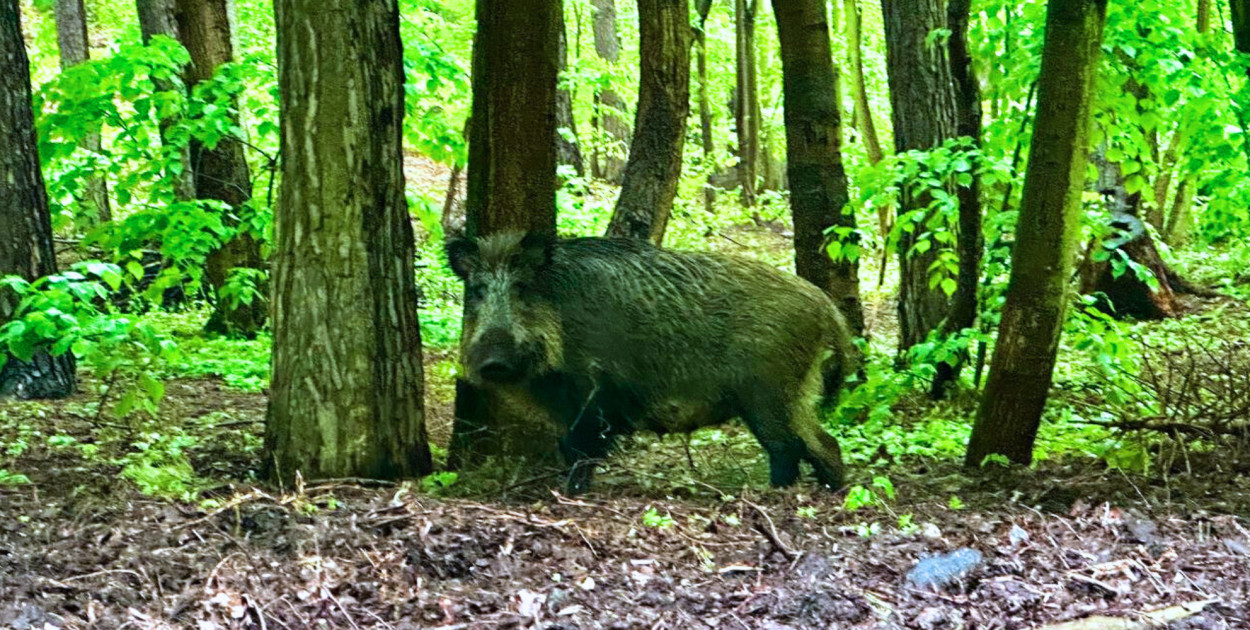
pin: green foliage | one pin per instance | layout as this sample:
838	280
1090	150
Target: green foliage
70	312
159	466
653	519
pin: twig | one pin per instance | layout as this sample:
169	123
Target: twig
770	532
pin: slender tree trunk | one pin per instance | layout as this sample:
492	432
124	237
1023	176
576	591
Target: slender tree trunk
511	186
567	150
156	17
818	187
654	166
1204	16
346	398
25	224
970	240
609	161
859	90
221	173
747	106
71	37
923	98
1180	223
705	106
1046	235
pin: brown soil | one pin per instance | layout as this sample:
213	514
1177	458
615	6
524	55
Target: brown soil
659	544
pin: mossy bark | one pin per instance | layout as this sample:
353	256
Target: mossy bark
654	166
346	394
1046	236
818	185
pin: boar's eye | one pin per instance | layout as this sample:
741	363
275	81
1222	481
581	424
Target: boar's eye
475	292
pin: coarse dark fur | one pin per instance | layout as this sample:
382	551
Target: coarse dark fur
615	335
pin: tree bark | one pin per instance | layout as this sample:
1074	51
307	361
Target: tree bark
970	240
512	166
818	186
924	113
156	17
511	186
346	396
859	88
71	37
221	173
567	150
25	222
704	7
747	104
610	108
654	166
1046	235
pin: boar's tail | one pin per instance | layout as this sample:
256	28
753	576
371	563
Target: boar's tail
843	362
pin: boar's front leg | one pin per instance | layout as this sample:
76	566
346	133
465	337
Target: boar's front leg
585	410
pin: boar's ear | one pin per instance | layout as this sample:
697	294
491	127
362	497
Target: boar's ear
462	255
535	250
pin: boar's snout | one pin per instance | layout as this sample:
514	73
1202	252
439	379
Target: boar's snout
496	357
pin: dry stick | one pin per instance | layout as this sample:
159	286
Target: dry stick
770	532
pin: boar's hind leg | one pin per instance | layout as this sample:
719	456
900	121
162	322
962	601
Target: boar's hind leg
789	432
823	451
769	419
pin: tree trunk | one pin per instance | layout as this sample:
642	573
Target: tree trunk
1240	10
747	105
705	106
859	90
970	240
221	173
923	98
1180	223
654	166
71	37
818	187
511	186
25	224
1204	16
156	17
567	151
346	397
610	108
1028	338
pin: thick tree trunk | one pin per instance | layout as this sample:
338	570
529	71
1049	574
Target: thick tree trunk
511	186
654	166
970	241
156	17
221	173
1037	296
747	105
610	108
346	397
25	225
923	98
818	187
705	106
567	150
71	37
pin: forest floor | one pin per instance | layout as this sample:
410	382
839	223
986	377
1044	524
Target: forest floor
659	543
677	534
